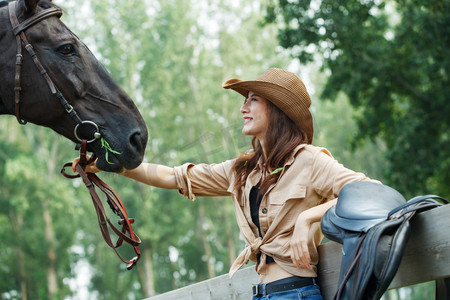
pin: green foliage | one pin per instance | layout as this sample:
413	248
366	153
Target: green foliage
392	60
426	290
368	157
30	193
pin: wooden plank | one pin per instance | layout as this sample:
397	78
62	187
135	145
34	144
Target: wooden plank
329	267
427	254
426	257
219	288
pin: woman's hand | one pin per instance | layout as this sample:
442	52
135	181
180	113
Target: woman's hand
91	168
299	243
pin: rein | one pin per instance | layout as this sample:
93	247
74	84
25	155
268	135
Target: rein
126	234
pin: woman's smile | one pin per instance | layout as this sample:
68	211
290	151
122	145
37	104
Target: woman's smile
256	116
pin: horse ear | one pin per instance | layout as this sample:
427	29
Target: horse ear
27	6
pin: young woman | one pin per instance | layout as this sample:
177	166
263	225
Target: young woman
280	188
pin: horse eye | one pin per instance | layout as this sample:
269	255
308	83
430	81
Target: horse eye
66	49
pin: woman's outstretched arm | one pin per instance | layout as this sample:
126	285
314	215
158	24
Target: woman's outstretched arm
152	174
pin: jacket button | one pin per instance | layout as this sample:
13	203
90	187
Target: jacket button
264	210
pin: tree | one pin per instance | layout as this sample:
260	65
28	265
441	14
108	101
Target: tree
392	60
38	215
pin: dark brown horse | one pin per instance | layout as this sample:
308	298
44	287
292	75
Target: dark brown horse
50	78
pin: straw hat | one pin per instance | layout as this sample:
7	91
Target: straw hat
285	90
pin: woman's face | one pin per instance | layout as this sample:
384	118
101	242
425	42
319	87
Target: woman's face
256	116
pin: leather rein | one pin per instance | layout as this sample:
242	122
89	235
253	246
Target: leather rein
91	180
126	234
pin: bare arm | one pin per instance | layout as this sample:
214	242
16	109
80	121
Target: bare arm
315	214
299	241
152	174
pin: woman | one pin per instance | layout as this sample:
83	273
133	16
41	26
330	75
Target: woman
280	188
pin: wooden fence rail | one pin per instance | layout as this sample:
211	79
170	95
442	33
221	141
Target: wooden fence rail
426	258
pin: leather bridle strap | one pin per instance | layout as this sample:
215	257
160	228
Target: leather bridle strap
53	11
14	22
18	29
126	234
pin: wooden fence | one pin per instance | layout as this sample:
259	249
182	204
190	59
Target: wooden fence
426	258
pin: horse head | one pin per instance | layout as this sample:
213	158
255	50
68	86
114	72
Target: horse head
69	72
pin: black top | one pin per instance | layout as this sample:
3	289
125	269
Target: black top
255	201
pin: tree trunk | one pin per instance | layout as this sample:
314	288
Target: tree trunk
16	224
52	283
172	268
146	272
229	236
206	245
23	281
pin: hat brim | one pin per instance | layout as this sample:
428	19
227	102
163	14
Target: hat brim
281	97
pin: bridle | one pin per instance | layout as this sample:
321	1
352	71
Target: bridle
19	32
89	179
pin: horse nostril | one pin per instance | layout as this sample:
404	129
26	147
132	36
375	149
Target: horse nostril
137	141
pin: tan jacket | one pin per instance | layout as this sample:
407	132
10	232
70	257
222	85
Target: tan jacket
310	177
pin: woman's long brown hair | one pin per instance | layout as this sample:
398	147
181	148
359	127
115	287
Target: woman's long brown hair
281	139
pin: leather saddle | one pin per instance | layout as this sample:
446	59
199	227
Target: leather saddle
371	221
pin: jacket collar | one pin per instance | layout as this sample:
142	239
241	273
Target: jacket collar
255	176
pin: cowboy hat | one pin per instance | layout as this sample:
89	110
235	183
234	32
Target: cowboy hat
285	90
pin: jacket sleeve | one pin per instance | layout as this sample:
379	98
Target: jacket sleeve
329	176
204	180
